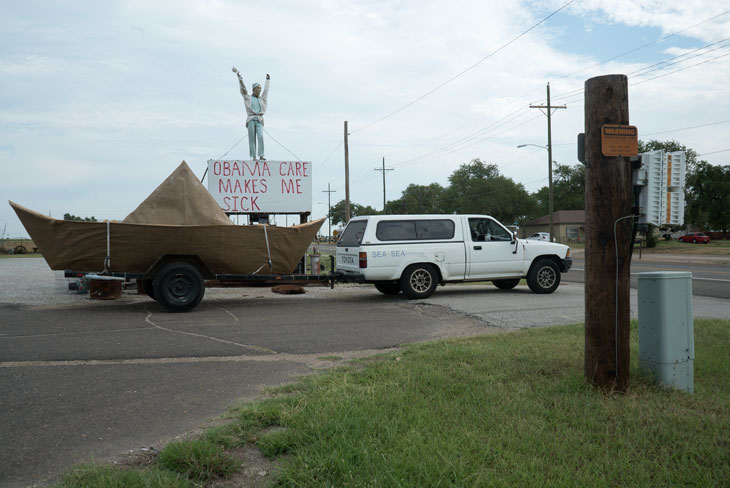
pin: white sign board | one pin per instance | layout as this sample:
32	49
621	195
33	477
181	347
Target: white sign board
261	186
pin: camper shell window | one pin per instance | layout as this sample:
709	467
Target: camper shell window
415	230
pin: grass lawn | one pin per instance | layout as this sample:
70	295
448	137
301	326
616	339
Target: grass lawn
501	410
713	248
21	256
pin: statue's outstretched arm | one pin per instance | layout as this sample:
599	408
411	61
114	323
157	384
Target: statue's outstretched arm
266	87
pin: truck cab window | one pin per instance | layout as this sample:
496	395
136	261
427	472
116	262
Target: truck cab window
485	230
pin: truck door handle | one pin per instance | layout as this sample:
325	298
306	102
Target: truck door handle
477	248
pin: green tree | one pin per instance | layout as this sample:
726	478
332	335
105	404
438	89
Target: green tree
68	216
478	187
418	199
708	202
671	146
337	212
569	190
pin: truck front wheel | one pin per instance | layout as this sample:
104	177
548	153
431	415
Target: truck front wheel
506	284
419	281
179	287
544	276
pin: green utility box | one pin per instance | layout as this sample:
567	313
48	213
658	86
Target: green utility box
666	328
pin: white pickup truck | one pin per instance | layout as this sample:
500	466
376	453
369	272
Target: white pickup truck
415	253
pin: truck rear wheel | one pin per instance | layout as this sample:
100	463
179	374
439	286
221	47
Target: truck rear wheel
419	281
387	287
544	276
506	284
179	287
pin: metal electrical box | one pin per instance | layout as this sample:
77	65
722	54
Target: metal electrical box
666	328
662	176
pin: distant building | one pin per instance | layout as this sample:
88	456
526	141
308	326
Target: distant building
568	226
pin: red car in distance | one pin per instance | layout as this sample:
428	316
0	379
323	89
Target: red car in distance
695	237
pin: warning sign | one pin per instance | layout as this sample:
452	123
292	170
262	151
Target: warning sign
619	140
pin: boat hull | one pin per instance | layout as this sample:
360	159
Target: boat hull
134	248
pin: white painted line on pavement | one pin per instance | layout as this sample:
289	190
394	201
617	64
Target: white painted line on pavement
694	277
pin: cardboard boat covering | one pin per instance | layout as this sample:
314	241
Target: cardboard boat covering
179	200
176	219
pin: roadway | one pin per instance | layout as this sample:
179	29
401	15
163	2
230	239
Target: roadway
710	274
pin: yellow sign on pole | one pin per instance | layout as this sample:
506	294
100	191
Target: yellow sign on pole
619	140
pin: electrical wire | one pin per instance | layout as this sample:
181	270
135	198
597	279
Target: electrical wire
615	241
327	158
714	152
282	145
463	71
660	39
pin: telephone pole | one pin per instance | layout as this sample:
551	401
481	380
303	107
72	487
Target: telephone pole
608	238
550	154
384	170
347	178
329	210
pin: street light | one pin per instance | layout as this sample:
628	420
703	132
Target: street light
550	185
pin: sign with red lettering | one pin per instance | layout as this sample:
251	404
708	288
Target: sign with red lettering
261	186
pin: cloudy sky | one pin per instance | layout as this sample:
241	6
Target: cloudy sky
100	101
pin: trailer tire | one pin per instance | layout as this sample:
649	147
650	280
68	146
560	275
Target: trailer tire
544	276
388	287
149	288
179	287
419	281
506	284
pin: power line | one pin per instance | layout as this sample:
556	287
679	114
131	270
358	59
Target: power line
686	128
327	158
464	71
645	45
714	152
682	69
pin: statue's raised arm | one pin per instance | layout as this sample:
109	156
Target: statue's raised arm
244	93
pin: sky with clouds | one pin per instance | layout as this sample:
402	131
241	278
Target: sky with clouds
102	100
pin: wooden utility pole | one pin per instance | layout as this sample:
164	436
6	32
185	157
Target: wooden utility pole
347	178
607	267
384	170
329	210
549	114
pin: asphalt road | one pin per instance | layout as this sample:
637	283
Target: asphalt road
710	274
83	379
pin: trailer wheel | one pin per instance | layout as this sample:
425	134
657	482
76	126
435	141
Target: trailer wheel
179	287
149	288
387	287
544	276
506	284
419	281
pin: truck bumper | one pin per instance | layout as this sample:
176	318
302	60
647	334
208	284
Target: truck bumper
565	264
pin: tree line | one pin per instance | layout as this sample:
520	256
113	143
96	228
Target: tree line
478	187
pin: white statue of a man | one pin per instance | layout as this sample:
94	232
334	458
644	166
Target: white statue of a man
255	109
